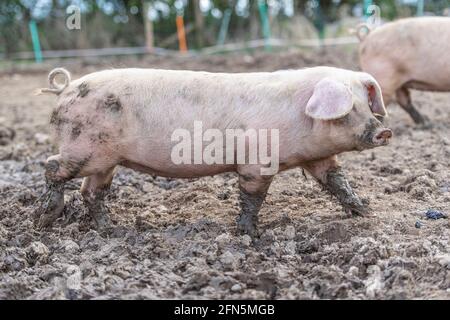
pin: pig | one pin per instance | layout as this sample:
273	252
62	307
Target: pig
127	117
410	53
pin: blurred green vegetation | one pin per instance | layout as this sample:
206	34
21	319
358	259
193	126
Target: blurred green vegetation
120	23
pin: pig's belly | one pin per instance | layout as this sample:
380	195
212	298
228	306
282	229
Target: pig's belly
425	84
154	155
426	77
172	170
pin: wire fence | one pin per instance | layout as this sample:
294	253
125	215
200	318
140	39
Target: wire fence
225	48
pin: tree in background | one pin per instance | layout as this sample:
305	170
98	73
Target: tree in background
119	23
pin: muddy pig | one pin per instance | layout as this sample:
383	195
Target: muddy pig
128	117
407	54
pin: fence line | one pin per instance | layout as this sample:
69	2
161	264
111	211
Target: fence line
253	44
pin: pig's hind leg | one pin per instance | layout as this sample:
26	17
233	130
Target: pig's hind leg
332	178
57	172
404	100
94	189
253	189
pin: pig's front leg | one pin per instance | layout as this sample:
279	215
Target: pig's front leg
331	176
253	189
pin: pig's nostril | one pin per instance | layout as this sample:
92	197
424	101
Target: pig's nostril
384	135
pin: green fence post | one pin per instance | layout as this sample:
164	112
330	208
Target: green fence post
367	4
35	39
265	22
224	27
420	7
320	22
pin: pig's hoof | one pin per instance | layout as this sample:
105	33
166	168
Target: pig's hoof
50	208
46	220
360	211
101	219
425	125
358	207
247	226
105	226
252	231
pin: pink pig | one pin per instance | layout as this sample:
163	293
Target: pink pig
127	117
407	54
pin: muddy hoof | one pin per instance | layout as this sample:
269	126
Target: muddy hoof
118	231
358	208
247	227
105	228
251	231
50	208
358	211
101	219
46	220
425	125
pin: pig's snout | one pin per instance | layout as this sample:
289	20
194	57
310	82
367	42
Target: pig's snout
382	137
374	135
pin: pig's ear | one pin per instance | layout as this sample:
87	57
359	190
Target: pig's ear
375	98
330	100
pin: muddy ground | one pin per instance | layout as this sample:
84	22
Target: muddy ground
177	238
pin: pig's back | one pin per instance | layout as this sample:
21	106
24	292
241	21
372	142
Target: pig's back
185	96
411	32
